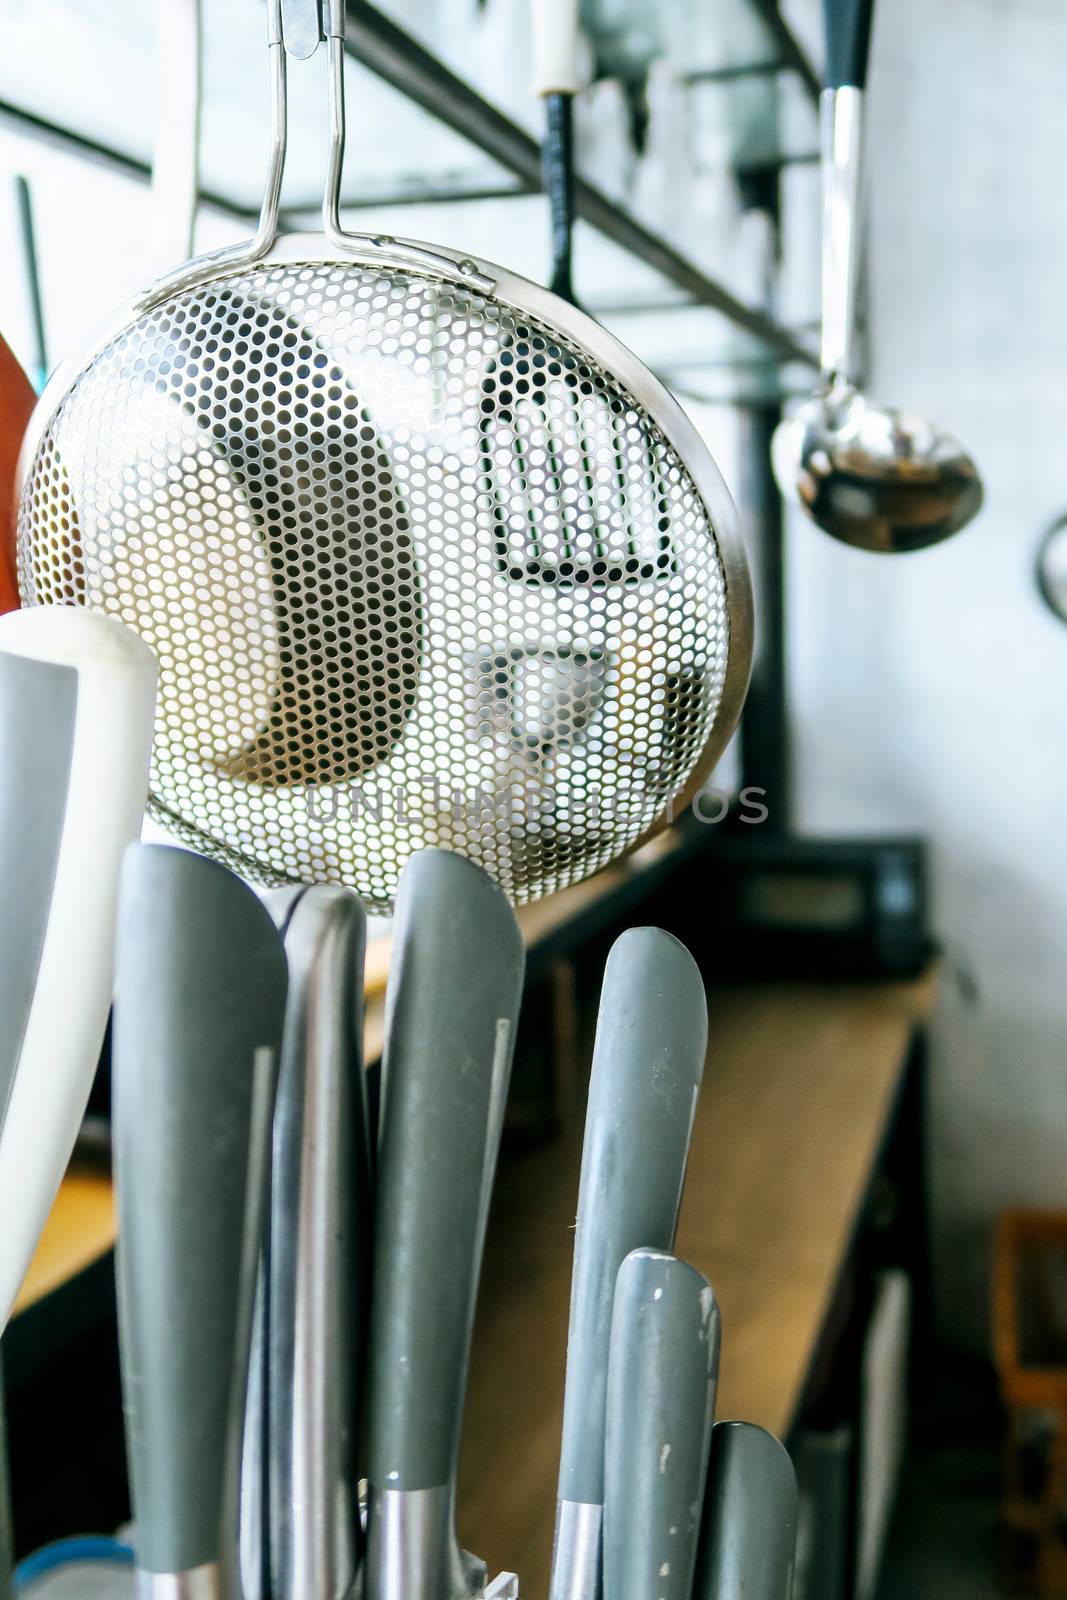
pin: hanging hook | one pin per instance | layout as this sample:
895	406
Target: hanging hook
302	27
296	28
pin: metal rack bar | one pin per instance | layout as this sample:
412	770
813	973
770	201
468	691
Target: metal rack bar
107	156
790	49
297	214
746	69
407	66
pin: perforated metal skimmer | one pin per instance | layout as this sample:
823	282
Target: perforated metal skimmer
403	589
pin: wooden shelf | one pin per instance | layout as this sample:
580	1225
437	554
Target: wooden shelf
79	1231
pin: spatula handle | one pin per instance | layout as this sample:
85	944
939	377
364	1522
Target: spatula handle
647	1067
662	1373
198	1018
451	1011
748	1541
452	1000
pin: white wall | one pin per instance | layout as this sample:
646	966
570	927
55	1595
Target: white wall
931	692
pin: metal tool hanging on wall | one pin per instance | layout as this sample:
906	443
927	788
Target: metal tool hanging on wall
873	477
1052	568
328	531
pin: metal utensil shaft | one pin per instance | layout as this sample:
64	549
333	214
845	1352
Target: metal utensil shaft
841	114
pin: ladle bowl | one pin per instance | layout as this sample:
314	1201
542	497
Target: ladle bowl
868	475
874	477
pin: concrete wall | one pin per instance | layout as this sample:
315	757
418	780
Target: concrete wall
931	692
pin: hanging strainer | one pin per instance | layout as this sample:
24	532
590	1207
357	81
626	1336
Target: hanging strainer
293	468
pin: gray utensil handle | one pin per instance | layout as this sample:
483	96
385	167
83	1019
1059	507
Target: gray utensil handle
647	1067
662	1373
748	1541
319	1252
198	1017
38	708
452	1006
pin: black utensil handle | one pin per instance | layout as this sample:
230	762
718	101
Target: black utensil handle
557	164
848	42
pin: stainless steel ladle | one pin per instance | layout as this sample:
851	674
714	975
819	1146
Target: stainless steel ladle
873	477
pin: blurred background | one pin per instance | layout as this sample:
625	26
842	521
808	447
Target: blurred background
917	699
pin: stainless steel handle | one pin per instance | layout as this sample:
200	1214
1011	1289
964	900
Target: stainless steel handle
297	27
841	139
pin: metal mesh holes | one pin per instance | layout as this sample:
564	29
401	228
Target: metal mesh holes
415	574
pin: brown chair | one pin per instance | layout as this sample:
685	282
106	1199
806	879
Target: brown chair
1030	1347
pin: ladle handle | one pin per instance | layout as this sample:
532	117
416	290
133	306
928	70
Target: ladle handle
848	38
848	42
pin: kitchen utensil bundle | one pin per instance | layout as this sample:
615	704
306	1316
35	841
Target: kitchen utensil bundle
872	477
76	704
246	1183
209	1055
426	556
